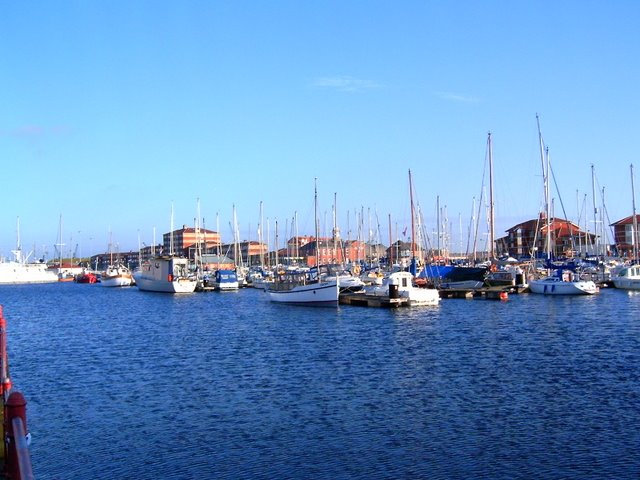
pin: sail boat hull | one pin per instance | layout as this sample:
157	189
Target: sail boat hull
558	286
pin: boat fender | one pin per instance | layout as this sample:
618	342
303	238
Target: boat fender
169	278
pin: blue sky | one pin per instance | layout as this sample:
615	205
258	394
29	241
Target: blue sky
112	112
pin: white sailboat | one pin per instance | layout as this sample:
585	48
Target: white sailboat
562	282
305	288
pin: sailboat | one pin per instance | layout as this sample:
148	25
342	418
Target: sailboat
416	295
166	273
560	282
305	287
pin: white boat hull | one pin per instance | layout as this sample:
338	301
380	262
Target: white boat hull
176	286
627	283
22	273
556	286
417	296
116	281
313	294
628	278
421	296
226	286
116	276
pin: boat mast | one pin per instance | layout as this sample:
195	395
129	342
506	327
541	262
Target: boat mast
438	227
390	262
544	159
336	229
277	240
595	210
634	234
413	227
171	234
260	237
315	216
491	203
18	246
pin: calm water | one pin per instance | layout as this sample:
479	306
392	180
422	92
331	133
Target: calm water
127	384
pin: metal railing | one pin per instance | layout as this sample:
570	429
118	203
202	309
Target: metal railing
15	448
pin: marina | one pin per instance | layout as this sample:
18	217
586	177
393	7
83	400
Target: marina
325	241
232	385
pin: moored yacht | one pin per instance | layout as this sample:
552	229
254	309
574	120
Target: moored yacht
563	283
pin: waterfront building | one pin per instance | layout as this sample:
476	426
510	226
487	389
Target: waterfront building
567	239
332	251
186	239
247	252
624	236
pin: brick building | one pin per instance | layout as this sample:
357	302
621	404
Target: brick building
527	238
624	236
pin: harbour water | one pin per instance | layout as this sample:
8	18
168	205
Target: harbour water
126	384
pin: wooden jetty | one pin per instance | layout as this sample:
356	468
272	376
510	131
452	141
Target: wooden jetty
489	293
363	300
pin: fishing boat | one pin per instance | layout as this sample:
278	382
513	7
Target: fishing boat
116	275
86	277
168	274
402	284
627	278
304	288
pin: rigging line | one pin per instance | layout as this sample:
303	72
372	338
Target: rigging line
471	225
609	232
555	184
